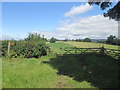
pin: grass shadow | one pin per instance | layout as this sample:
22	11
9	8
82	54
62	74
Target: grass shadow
100	71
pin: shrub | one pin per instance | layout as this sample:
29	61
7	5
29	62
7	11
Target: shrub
5	46
87	40
32	46
29	49
113	40
53	40
65	40
78	40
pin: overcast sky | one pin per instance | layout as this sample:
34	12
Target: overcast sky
61	20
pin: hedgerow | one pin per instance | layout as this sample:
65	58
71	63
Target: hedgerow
34	46
30	49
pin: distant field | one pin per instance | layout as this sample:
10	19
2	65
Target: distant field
55	47
91	45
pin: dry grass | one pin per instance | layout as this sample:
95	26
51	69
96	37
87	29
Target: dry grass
91	45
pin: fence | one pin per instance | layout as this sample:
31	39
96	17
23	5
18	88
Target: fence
104	51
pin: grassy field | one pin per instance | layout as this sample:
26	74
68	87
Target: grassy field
91	45
34	73
52	71
28	73
55	47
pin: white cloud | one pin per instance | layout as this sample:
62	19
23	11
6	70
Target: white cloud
56	34
95	27
92	27
5	37
78	10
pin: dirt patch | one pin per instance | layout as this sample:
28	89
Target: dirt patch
61	83
84	65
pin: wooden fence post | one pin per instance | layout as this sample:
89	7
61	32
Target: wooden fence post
102	50
75	50
8	47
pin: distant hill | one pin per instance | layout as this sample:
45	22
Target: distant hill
95	40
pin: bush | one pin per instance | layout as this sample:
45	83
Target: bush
32	46
113	40
78	40
29	49
53	40
5	47
87	40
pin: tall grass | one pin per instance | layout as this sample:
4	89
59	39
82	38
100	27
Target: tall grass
36	73
27	74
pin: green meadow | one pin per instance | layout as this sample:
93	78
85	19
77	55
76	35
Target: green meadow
65	71
91	45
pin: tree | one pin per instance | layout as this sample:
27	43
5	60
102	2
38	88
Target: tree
34	37
53	40
87	40
113	40
65	40
78	40
110	39
112	13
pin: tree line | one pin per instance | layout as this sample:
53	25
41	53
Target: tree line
113	40
35	45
